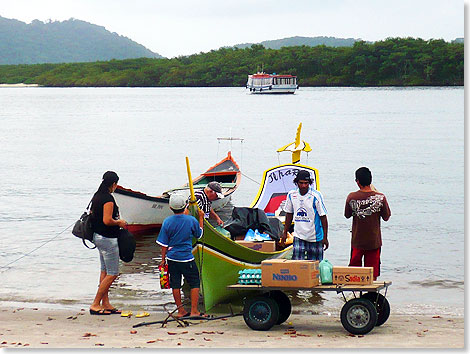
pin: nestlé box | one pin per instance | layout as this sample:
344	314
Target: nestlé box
289	273
263	246
353	275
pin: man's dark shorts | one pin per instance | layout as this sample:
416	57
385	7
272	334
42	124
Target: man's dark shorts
186	269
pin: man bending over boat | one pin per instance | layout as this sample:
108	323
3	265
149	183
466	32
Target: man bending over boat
175	237
366	206
306	207
205	197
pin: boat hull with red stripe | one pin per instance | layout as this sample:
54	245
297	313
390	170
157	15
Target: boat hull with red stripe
145	213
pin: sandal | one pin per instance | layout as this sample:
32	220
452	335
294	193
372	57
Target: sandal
142	314
187	314
126	314
101	312
114	311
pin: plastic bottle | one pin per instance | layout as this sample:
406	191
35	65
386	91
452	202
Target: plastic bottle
326	272
250	235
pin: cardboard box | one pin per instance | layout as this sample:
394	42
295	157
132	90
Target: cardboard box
263	246
353	275
290	274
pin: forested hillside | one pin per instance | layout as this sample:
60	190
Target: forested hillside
63	42
299	41
392	62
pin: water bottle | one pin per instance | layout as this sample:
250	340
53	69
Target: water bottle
326	272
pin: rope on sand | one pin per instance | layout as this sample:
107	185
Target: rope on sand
185	319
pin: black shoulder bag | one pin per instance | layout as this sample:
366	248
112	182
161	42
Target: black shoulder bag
83	228
126	243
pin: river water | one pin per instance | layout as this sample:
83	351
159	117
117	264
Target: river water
57	142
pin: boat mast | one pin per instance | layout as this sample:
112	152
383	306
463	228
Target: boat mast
296	147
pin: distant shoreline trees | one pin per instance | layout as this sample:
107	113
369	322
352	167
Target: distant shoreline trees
391	62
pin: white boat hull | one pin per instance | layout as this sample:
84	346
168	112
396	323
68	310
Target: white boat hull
145	214
272	90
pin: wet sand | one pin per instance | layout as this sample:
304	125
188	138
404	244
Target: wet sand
44	328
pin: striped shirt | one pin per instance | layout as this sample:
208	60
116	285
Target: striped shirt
307	210
203	202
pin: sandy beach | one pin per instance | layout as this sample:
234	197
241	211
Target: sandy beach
45	328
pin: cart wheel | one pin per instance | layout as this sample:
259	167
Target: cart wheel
261	313
284	304
358	316
382	306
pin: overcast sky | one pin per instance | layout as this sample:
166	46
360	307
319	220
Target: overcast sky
181	27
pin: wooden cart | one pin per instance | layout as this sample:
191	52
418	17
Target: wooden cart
359	315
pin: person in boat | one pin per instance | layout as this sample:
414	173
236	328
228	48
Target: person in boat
305	206
204	198
175	238
106	224
366	206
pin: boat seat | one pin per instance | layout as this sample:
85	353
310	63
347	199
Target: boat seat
228	185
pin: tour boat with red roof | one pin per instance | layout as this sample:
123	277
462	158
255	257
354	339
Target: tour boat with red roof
264	83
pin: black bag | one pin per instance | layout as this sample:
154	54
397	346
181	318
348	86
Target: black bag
83	228
249	218
126	243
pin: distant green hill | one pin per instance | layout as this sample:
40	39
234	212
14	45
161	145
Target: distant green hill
393	62
64	42
299	41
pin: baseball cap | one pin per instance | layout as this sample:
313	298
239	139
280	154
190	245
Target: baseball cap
177	202
303	175
217	188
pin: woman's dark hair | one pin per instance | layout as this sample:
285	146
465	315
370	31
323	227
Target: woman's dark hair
109	178
364	176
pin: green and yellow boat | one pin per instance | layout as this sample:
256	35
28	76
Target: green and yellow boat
219	258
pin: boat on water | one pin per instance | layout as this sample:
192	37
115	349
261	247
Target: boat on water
219	258
145	214
263	83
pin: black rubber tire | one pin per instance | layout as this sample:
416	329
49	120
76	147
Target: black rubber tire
358	316
382	306
261	313
285	306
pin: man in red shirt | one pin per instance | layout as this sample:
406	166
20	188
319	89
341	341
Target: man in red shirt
366	206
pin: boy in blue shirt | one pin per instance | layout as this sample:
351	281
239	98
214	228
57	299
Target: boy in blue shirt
175	237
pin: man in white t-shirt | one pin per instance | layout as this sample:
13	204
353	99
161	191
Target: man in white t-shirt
306	208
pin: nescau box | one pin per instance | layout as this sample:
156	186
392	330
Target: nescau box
353	275
290	274
262	246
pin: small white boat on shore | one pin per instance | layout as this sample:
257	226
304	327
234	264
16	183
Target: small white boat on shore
262	83
145	213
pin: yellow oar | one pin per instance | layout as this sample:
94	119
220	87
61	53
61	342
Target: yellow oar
193	207
192	199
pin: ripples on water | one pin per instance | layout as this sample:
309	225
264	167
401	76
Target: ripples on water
54	154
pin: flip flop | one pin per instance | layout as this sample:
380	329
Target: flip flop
126	314
114	311
99	312
142	314
201	316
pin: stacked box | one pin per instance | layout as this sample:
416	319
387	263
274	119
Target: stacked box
262	246
353	275
290	274
249	277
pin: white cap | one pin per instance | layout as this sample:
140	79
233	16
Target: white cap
177	202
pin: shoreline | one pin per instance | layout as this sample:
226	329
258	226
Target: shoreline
71	329
19	85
